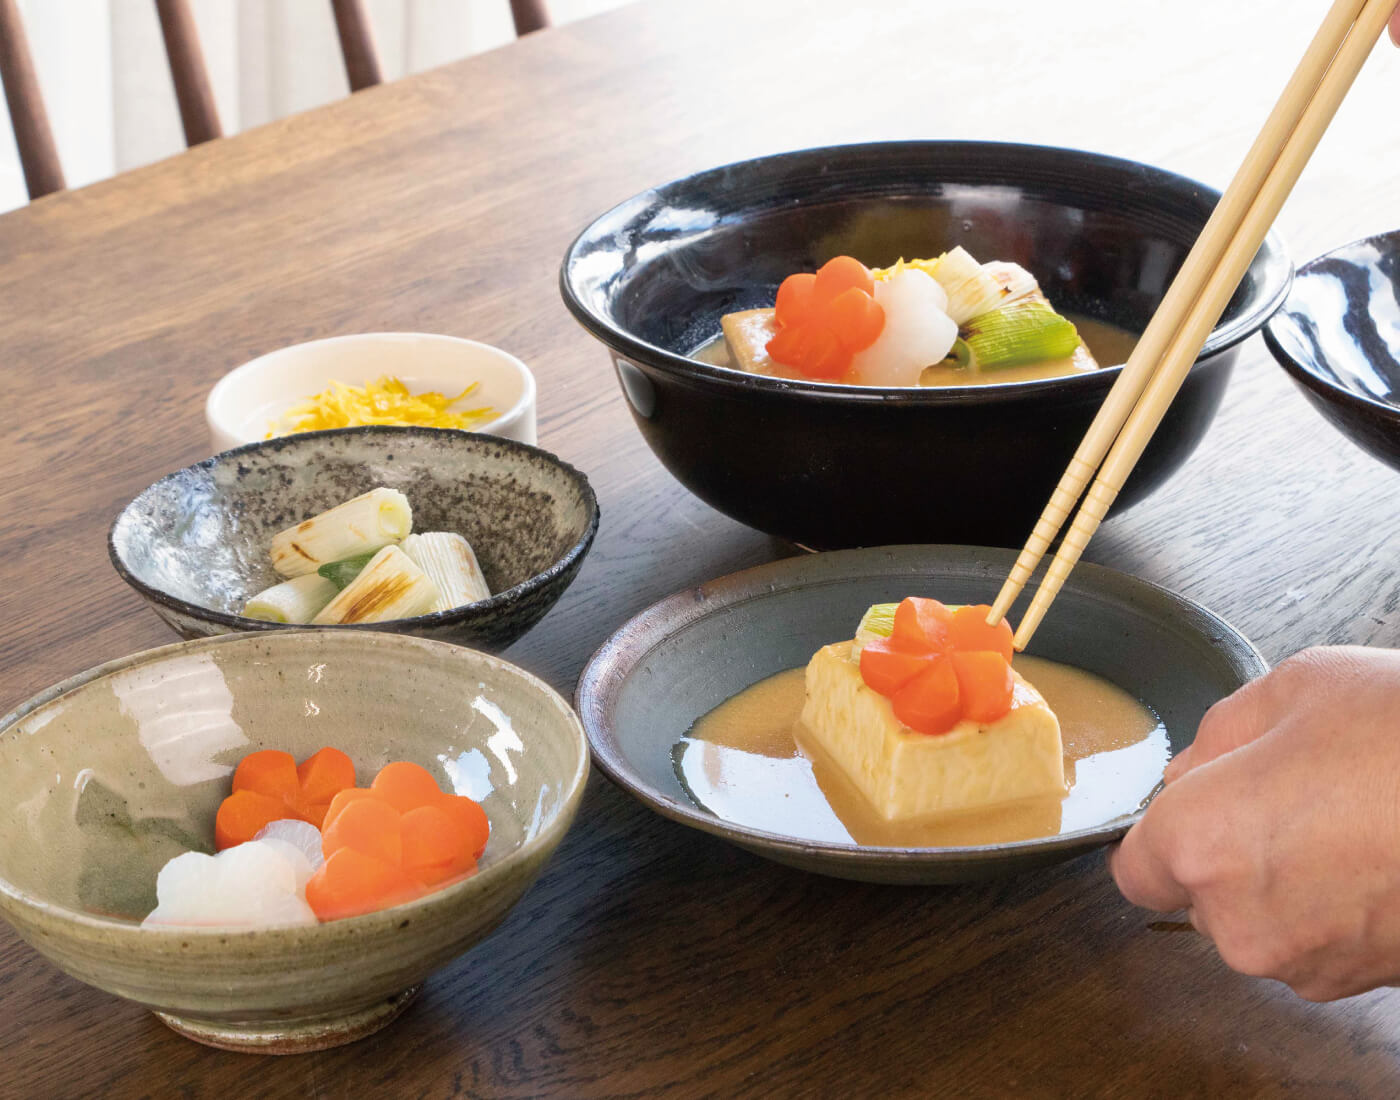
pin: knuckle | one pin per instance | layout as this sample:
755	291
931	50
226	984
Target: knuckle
1248	952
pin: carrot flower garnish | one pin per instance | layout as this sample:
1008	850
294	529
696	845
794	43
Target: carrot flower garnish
824	319
269	786
940	666
396	840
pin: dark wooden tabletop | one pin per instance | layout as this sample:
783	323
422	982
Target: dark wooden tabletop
651	960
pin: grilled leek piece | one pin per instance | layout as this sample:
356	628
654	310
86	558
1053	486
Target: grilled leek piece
391	586
1028	331
295	601
359	526
450	562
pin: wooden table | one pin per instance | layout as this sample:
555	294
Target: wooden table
652	960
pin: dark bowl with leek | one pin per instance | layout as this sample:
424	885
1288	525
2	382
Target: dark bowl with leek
831	465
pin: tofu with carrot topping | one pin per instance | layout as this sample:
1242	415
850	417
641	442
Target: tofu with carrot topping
924	715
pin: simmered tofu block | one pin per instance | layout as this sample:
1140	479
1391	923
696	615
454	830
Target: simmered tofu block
747	335
907	775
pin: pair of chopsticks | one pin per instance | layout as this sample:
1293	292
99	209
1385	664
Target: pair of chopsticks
1194	302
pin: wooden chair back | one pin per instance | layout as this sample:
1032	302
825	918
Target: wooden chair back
199	115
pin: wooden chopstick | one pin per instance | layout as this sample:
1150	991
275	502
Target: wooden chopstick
1196	298
1181	295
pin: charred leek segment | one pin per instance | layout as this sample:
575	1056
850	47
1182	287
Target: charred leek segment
1013	281
1028	331
341	573
450	563
358	526
971	290
295	601
391	586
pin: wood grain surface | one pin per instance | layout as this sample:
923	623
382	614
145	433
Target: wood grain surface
650	960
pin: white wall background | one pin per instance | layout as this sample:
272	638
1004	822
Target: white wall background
106	82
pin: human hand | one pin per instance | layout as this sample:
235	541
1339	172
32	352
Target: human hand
1279	828
1395	27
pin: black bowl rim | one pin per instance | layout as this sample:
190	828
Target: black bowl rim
1272	293
758	582
1301	372
454	615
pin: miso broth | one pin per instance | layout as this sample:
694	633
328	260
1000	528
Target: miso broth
749	762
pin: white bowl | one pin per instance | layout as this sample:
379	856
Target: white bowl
244	404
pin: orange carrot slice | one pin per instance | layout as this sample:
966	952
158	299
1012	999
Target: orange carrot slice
925	623
406	786
968	631
841	273
269	771
985	685
886	665
368	825
470	819
323	775
340	801
243	814
796	299
856	318
433	846
351	884
930	702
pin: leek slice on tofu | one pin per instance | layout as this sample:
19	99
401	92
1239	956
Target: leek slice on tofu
450	562
391	586
359	526
877	622
298	600
1028	331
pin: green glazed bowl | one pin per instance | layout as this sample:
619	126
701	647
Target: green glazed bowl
111	773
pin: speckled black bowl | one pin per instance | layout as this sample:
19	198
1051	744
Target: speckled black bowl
195	543
1338	335
831	465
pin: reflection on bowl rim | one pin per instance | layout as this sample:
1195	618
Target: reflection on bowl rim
368	922
495	602
754	583
603	329
1299	371
231	380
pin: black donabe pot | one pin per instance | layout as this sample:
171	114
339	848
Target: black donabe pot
835	466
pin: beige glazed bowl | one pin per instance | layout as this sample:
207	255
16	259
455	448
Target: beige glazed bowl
111	773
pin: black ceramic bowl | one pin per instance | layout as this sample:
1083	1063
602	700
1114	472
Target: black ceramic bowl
1338	335
195	544
831	465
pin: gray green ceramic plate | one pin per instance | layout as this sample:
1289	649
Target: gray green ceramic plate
684	656
195	544
113	772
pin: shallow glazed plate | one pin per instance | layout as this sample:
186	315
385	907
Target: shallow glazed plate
684	656
1338	335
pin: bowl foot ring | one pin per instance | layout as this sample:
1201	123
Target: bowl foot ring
295	1037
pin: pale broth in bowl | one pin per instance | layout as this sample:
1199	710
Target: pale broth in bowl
1107	346
752	762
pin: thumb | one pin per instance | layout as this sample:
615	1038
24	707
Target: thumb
1395	27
